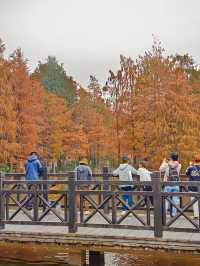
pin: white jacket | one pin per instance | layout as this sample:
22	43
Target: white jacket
125	171
145	175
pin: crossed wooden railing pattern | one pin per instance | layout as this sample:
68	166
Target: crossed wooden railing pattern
103	195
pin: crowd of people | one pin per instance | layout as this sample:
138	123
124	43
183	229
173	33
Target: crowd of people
125	172
171	169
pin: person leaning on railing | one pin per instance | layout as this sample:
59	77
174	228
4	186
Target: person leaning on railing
193	172
83	173
171	169
145	175
125	172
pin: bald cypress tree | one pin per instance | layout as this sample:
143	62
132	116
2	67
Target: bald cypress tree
53	77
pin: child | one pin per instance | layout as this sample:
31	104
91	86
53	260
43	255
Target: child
145	175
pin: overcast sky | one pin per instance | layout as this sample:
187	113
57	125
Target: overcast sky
89	35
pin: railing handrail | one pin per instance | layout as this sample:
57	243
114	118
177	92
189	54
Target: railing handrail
69	173
109	182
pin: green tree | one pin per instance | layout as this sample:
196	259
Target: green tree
53	77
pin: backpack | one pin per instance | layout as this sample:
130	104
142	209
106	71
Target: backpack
173	173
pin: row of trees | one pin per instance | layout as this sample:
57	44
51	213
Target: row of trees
156	102
146	109
47	112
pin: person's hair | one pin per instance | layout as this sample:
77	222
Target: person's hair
197	158
143	163
33	153
125	159
174	156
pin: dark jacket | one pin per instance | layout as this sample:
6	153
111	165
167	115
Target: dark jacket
33	168
193	172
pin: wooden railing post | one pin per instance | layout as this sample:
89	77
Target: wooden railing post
114	205
157	199
72	204
35	202
45	185
105	187
2	202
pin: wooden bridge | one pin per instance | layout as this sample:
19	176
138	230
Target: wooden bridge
104	226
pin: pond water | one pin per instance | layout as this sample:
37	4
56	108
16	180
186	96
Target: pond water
24	255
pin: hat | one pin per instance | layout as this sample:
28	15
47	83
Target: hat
83	161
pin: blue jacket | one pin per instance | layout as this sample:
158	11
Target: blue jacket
33	168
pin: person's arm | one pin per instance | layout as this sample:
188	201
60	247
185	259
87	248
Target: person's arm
116	172
40	168
166	175
134	171
164	166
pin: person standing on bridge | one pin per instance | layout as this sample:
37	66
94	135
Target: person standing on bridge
125	172
145	175
33	169
193	172
171	169
83	173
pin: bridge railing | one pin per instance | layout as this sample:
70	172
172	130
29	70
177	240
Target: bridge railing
28	202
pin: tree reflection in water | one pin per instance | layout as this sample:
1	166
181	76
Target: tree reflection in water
154	259
26	254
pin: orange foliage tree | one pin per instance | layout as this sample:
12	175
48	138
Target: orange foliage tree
8	124
28	105
154	108
55	131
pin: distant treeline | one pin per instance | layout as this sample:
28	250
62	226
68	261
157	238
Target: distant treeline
148	108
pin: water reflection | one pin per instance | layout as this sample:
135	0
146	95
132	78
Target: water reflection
154	259
25	255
